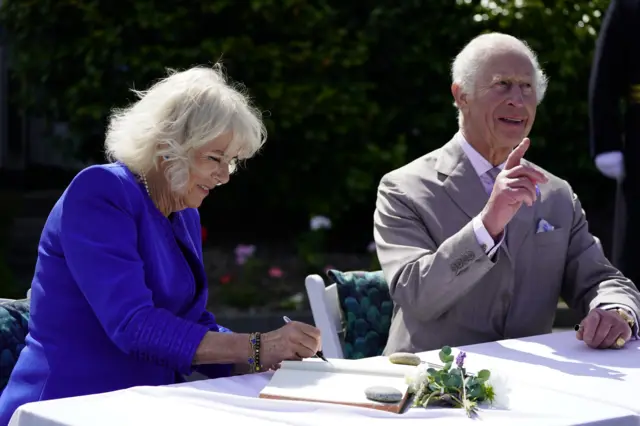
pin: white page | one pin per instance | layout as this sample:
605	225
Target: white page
349	366
342	381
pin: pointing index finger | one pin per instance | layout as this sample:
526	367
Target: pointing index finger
517	154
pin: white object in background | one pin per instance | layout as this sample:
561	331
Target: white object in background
325	308
611	164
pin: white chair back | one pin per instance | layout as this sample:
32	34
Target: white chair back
325	307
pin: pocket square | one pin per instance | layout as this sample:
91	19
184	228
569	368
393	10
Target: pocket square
544	226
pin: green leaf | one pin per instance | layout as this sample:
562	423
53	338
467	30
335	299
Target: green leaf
439	378
472	381
476	393
445	354
483	375
453	381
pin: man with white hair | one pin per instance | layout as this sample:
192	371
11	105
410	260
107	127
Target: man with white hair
476	243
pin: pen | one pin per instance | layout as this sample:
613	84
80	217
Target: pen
319	354
577	327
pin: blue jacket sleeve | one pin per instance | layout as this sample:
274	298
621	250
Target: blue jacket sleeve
98	235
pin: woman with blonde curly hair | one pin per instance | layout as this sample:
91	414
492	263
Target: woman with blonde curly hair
119	292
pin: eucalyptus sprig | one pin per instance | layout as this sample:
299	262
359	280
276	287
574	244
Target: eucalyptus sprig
452	385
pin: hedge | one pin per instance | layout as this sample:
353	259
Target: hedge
350	90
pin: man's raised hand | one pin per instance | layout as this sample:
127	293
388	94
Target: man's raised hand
515	185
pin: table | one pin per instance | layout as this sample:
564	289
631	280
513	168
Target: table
560	362
233	400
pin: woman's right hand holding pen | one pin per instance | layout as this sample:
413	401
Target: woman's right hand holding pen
293	341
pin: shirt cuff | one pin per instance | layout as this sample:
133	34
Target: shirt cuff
487	243
635	332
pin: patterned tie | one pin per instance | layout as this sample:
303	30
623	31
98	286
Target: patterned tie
493	174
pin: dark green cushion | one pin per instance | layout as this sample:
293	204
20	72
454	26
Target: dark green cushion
14	327
367	308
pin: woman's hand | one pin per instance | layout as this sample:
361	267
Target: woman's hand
294	341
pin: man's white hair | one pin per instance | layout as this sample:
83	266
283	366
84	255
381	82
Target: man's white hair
473	56
179	114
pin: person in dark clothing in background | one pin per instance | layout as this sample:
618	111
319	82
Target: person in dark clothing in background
615	135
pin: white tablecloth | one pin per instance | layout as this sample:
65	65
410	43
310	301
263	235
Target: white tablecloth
232	400
559	361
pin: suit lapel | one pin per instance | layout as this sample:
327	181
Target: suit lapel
462	183
520	226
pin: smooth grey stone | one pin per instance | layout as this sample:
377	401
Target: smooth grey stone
383	394
405	358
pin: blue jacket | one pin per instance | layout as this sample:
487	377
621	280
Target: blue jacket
118	297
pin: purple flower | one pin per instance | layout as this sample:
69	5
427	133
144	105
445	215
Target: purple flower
243	252
460	359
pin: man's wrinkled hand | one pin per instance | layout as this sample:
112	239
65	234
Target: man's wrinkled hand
514	186
602	329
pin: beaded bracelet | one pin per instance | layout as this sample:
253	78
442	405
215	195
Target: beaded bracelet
254	358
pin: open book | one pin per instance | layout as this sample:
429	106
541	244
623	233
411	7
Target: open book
340	381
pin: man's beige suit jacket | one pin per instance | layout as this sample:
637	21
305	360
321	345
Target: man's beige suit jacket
447	291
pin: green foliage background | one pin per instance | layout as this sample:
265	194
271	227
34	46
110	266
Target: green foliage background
350	90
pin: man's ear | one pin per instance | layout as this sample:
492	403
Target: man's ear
460	98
